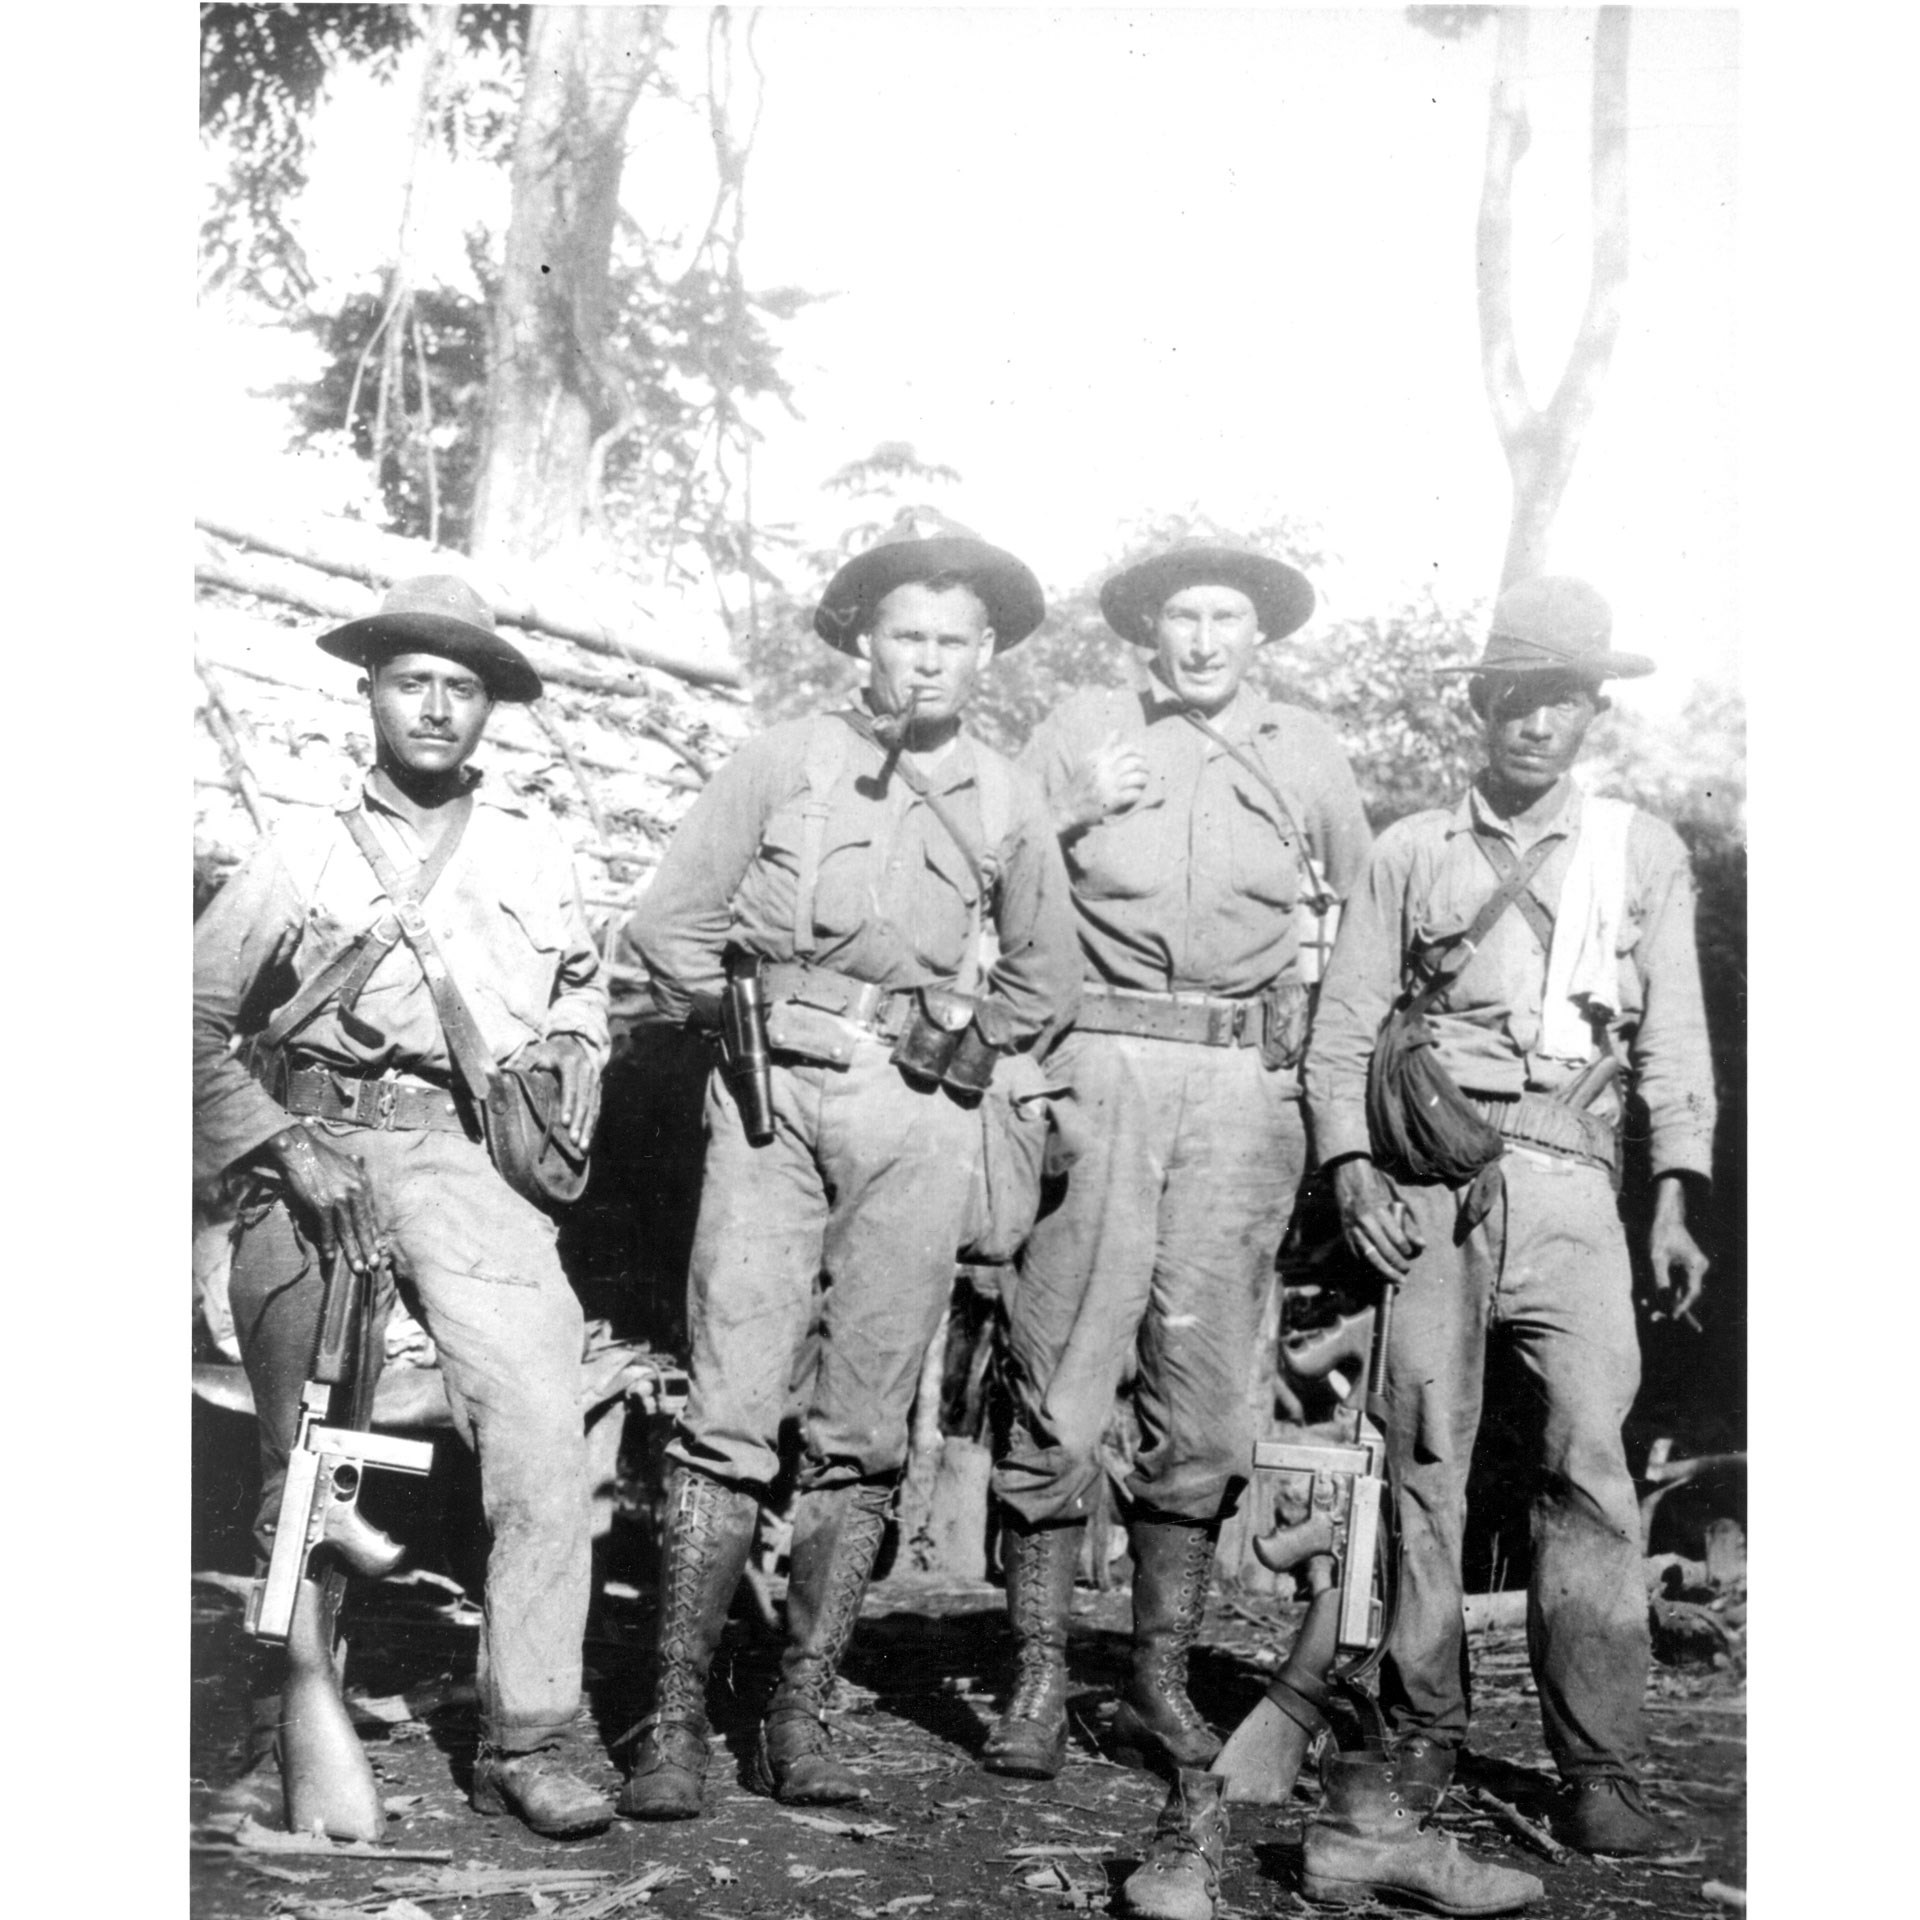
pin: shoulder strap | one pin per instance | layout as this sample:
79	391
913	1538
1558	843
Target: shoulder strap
916	783
1533	910
1312	890
1502	897
469	1050
826	759
353	966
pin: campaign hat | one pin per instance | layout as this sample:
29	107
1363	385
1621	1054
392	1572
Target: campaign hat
1553	623
437	613
1130	602
1007	587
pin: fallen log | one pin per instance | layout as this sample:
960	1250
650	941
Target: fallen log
593	637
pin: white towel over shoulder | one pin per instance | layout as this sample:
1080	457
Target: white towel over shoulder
1583	966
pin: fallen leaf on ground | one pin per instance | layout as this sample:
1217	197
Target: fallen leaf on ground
403	1802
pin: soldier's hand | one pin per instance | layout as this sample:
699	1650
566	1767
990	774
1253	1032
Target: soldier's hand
1376	1222
335	1193
1679	1266
579	1075
1107	780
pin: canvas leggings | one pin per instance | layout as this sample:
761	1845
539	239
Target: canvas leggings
479	1270
1183	1163
1547	1270
845	1223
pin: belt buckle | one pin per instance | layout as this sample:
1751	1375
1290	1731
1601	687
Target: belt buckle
386	1097
1223	1025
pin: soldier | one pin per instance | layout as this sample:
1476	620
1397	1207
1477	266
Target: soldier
1189	811
845	864
353	1137
1589	971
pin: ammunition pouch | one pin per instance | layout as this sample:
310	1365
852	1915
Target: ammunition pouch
1551	1126
927	1047
1286	1013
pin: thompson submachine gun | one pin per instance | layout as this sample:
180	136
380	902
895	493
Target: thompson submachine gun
328	1785
1341	1532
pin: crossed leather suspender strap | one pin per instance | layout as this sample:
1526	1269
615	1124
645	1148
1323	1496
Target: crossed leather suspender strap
349	970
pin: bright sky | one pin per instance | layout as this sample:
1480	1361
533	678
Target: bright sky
1106	262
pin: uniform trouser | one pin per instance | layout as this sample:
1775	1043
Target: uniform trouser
1547	1269
864	1183
479	1268
1183	1162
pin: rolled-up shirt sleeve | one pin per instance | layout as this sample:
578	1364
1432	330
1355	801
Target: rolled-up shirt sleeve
244	932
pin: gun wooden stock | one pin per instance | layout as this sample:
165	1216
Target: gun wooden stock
327	1784
1343	1485
325	1779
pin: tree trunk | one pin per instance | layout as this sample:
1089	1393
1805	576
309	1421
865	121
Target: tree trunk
548	393
1542	443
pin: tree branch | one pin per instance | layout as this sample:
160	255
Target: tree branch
1507	141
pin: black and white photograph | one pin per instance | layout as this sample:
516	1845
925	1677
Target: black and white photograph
969	1096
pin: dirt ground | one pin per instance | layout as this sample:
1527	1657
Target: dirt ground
938	1835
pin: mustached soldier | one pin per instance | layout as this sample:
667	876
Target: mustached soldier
356	1141
842	864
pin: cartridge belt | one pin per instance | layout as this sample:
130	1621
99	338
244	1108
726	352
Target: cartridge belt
884	1011
395	1102
1534	1120
1199	1019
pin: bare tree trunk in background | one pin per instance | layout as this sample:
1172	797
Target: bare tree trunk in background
547	393
1541	444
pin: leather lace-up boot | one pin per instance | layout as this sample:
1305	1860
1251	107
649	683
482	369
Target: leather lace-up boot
1424	1770
1029	1740
836	1533
1157	1725
1364	1844
1604	1813
709	1535
1180	1877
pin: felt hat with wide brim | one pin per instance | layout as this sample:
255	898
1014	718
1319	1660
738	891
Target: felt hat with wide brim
1553	623
1282	596
1007	587
439	614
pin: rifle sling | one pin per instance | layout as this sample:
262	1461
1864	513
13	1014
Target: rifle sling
1311	890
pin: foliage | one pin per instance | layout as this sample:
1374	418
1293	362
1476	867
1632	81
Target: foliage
263	70
405	372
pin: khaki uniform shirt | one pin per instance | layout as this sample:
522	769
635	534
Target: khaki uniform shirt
892	898
507	916
1424	885
1193	888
